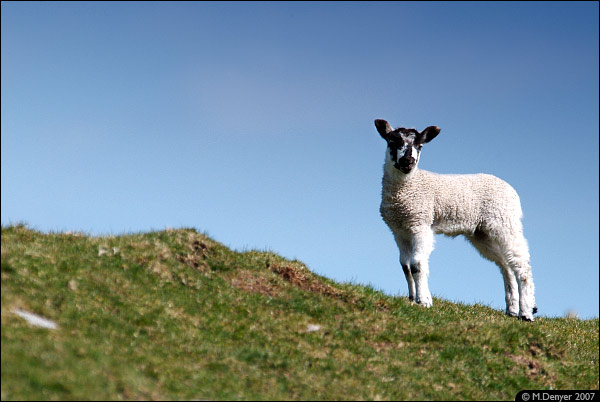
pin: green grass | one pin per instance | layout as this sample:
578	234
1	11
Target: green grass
176	315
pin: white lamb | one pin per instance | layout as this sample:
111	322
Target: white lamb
416	204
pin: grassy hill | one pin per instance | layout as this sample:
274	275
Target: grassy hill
176	315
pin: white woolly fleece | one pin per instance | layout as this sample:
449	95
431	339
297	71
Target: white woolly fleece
482	207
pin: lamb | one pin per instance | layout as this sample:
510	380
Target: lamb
416	204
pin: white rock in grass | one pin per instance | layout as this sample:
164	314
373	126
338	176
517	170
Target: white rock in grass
36	320
104	251
313	328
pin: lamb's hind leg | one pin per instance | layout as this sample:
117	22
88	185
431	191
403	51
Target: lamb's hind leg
405	252
490	250
516	254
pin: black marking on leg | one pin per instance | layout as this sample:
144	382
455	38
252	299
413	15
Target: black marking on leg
415	269
405	269
535	310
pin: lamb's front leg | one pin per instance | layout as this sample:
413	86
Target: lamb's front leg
405	247
410	281
422	246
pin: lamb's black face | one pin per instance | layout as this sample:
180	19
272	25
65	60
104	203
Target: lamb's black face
404	144
404	149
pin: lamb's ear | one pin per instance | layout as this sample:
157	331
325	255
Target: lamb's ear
429	134
384	128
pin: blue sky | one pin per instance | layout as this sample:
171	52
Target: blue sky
253	122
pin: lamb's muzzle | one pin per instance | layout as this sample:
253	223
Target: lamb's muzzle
417	204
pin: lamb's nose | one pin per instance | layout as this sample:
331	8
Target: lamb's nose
409	163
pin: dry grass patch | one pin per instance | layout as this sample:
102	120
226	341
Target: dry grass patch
255	282
301	277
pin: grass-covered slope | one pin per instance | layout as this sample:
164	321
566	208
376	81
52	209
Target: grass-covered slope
176	315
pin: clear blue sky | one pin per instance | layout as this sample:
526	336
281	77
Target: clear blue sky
253	122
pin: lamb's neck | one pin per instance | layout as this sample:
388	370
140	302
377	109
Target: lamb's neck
395	177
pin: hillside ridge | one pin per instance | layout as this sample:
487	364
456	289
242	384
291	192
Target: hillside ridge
174	314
